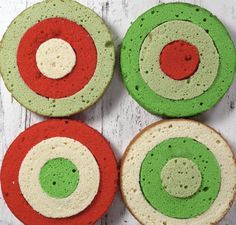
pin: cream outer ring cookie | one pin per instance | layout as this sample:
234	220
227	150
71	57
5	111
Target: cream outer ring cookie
153	136
55	58
49	149
158	81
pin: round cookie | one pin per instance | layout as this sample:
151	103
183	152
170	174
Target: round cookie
149	190
64	92
139	61
33	190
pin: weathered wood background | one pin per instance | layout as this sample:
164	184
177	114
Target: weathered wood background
117	116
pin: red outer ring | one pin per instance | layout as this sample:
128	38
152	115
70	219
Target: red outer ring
77	37
79	131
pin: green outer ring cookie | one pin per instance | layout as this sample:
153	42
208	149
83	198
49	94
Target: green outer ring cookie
164	202
130	59
59	177
105	58
158	81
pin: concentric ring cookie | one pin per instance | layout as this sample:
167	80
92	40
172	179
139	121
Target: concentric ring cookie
177	60
57	58
64	172
178	172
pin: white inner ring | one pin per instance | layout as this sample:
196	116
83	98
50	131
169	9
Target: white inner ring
153	136
53	148
55	58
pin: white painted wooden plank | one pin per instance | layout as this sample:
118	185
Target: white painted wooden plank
12	114
116	115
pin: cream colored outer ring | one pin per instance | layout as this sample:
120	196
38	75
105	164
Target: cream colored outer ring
158	81
137	151
49	149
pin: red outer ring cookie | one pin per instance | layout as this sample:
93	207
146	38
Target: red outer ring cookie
179	60
79	131
77	37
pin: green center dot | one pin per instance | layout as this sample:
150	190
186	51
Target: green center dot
181	177
59	177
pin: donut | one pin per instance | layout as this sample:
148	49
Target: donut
57	58
178	172
64	172
177	60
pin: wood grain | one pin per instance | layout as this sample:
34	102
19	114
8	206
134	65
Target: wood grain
117	116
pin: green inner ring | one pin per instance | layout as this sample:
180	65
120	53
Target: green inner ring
155	194
59	177
130	60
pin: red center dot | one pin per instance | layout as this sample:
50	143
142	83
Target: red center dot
179	60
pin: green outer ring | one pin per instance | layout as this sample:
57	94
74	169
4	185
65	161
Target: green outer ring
105	58
130	60
158	81
59	177
164	202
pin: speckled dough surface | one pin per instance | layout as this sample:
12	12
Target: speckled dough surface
130	54
55	58
184	58
50	149
181	177
105	58
59	177
154	135
158	81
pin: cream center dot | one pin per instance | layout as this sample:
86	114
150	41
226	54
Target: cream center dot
55	58
181	177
